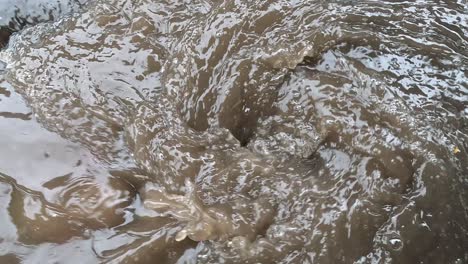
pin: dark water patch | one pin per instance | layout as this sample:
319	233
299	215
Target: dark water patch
4	36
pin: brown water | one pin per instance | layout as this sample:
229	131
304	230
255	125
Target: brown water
234	132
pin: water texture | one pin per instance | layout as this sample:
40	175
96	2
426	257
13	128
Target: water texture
213	131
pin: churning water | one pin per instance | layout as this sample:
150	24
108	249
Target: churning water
207	131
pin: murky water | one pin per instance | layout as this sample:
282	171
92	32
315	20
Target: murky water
205	131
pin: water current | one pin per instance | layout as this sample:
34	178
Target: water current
238	131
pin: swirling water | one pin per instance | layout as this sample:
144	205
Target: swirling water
210	131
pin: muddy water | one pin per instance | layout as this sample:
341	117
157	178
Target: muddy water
234	132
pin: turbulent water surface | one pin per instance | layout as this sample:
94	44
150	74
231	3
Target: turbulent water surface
206	131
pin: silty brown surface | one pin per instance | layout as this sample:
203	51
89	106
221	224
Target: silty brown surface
255	132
